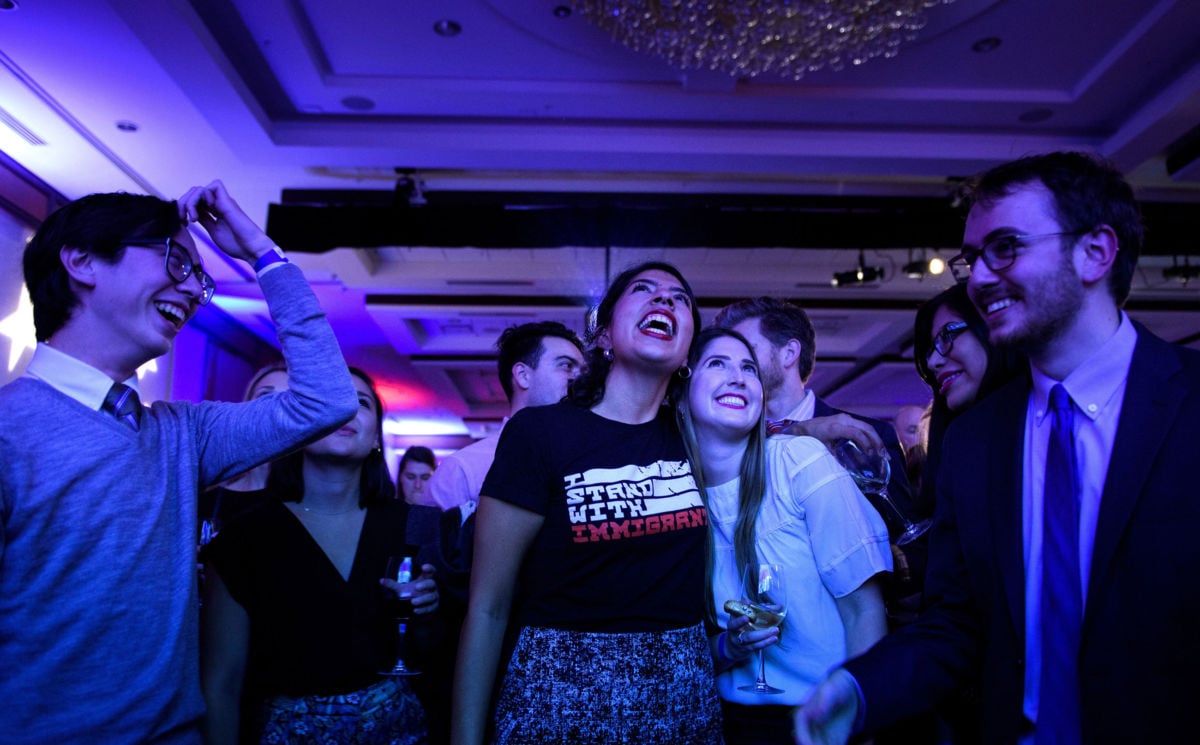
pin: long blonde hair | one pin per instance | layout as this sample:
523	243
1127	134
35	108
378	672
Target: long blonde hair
752	485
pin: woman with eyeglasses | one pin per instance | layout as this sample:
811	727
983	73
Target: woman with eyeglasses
953	355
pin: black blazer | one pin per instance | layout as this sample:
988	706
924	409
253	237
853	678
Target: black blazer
1140	656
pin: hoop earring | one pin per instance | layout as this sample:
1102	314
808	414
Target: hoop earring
684	372
607	354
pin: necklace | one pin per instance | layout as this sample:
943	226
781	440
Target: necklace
337	512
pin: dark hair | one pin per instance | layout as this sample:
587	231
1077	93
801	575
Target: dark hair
779	321
753	472
1003	365
98	224
1088	192
588	389
286	478
525	344
417	454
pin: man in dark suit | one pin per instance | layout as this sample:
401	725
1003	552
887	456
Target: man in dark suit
784	341
1050	248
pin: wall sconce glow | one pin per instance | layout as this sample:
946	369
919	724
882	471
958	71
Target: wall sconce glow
18	327
420	427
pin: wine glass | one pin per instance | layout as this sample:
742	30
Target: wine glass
398	605
872	471
763	591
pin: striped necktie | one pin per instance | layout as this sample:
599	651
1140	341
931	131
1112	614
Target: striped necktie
122	402
777	426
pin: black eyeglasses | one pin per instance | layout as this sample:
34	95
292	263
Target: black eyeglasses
998	253
943	341
179	265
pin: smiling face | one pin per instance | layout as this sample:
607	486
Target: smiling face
959	373
725	395
1031	303
355	439
135	308
651	322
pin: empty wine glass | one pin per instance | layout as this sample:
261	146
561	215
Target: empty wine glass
872	471
398	605
762	590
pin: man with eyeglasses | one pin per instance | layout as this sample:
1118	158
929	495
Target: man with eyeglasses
1062	571
98	603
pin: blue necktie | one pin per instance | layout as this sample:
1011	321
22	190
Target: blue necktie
122	402
1062	595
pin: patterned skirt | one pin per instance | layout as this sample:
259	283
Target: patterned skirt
574	687
385	713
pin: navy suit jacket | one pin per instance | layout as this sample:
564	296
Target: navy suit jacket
1139	663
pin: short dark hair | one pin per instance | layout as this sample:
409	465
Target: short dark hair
417	454
588	389
779	321
285	480
524	343
1088	192
99	224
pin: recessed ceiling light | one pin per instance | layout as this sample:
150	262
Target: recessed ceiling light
358	103
562	11
986	44
1035	116
127	126
447	28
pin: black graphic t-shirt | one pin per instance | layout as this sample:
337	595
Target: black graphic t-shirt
622	546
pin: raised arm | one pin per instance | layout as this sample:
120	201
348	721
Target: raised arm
503	533
320	397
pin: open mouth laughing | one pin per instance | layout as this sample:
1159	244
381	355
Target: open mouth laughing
174	313
658	323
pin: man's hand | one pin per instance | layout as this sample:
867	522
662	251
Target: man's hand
828	717
831	430
229	227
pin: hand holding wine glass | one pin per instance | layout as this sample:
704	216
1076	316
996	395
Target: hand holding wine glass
404	598
872	470
764	603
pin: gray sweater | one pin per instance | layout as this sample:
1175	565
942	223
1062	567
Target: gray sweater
98	597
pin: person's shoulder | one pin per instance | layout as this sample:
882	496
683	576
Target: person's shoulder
550	414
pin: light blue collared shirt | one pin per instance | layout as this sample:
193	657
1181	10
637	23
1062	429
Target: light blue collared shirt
72	377
1097	388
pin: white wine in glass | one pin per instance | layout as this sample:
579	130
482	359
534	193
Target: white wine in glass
763	593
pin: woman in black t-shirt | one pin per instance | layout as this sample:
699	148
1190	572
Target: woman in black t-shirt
590	535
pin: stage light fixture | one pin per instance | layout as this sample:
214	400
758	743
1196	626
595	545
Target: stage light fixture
859	275
1182	273
919	268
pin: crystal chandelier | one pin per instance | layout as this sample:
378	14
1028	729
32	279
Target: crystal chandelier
746	38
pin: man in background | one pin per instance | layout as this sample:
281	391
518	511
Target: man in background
536	363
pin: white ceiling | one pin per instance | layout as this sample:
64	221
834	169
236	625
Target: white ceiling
301	95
